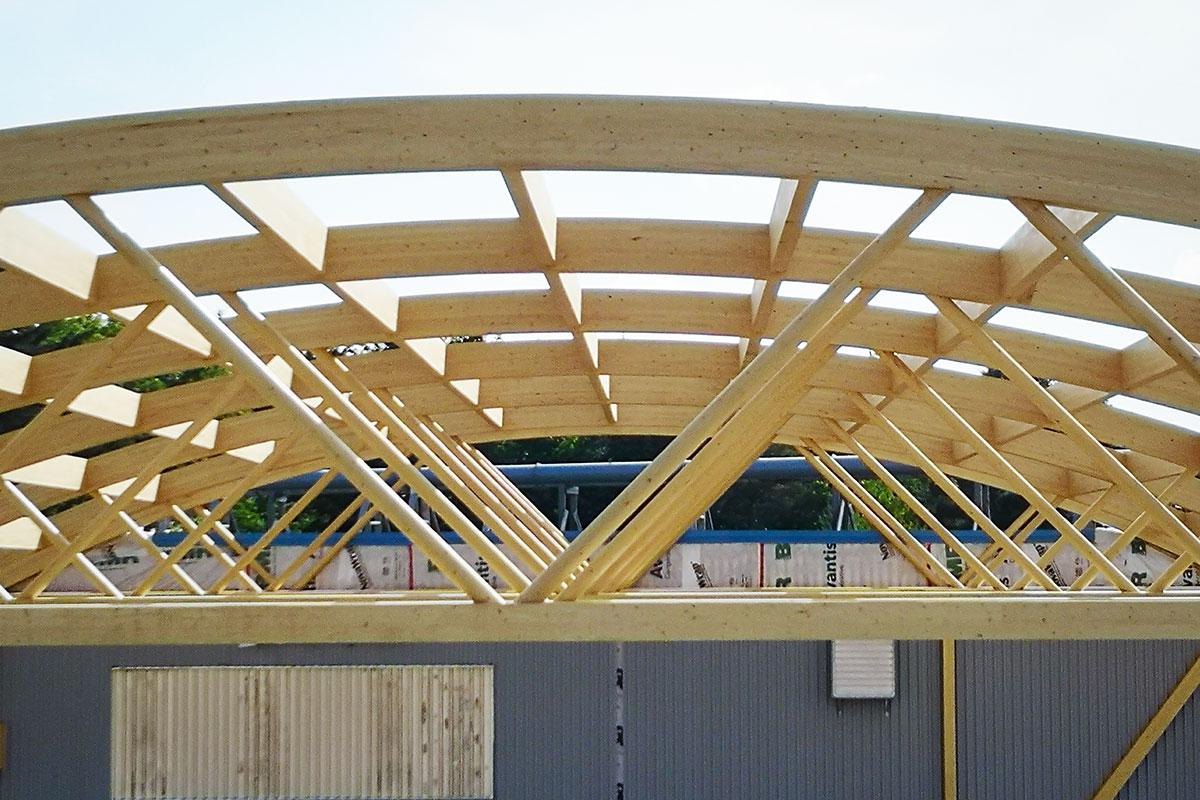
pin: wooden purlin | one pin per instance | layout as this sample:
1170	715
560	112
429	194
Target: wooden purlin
11	453
986	386
1116	288
295	231
1026	258
1056	413
367	253
540	223
792	199
155	413
886	451
889	320
1072	363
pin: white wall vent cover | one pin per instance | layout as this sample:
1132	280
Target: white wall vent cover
302	732
863	669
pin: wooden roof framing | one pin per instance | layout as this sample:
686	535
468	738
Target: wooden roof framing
427	396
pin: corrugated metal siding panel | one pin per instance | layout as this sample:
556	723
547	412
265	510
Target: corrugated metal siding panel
703	720
1050	719
1172	768
302	732
552	710
755	719
554	727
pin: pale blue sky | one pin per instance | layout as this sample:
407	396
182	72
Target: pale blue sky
1127	68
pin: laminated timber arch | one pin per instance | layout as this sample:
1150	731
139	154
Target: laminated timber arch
292	400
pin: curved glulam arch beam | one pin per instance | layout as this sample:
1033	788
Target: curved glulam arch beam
528	393
1154	181
1073	473
597	245
535	395
638	380
1091	366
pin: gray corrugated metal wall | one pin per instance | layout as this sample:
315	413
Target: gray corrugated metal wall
703	720
686	704
755	719
1049	719
550	697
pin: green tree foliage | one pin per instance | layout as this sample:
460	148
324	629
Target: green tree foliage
155	382
891	501
250	513
571	449
774	505
43	337
750	505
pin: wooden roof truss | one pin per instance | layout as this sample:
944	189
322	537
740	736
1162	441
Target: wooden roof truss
293	398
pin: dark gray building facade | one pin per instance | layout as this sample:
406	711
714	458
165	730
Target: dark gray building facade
702	720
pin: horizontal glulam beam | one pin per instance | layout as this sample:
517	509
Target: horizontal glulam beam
917	614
